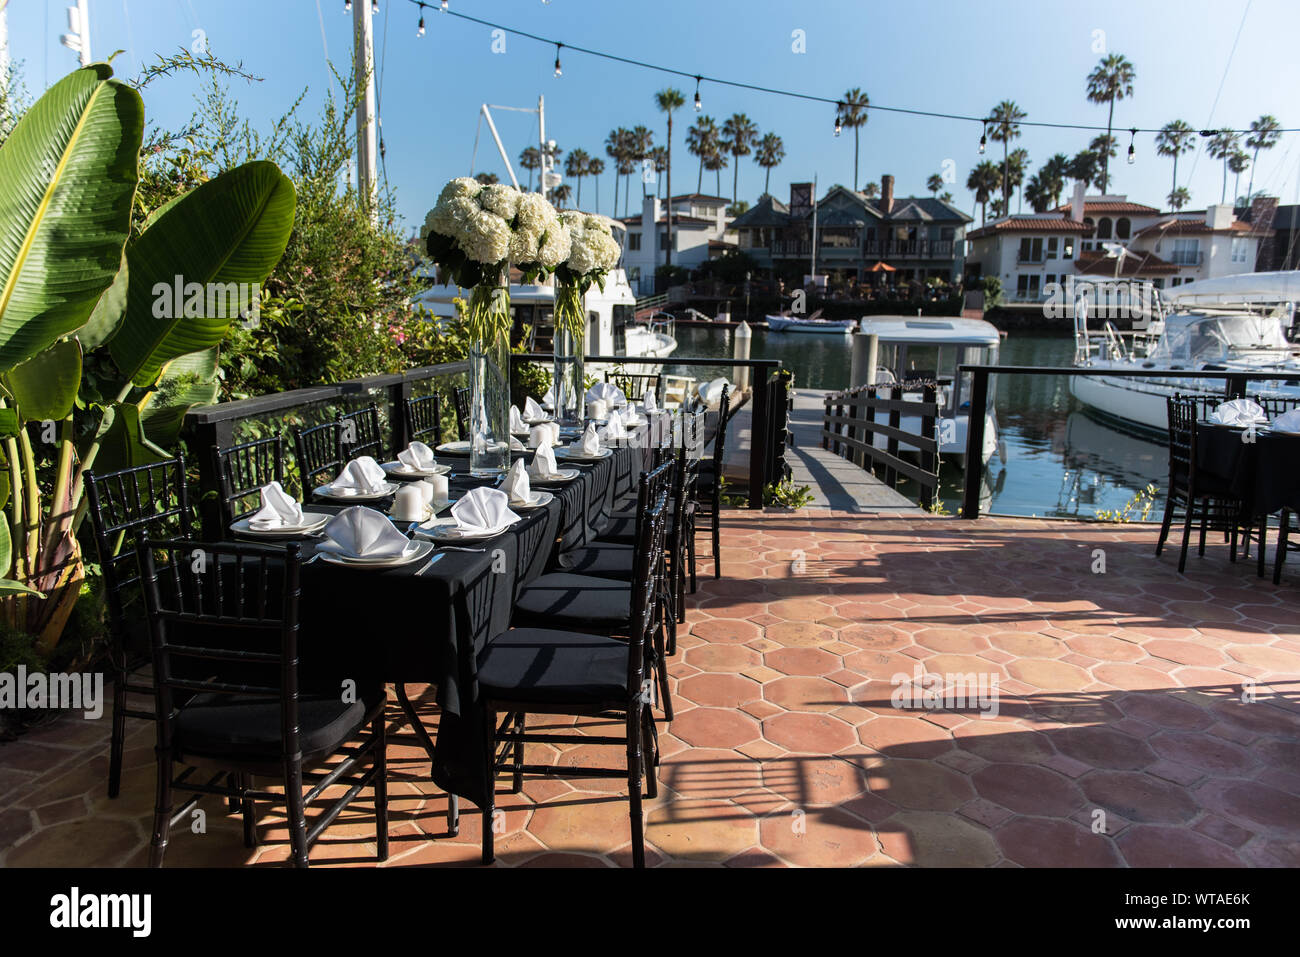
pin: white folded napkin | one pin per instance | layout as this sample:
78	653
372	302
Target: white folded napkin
711	393
279	510
482	509
360	532
1287	421
417	456
543	464
516	485
533	411
648	401
607	391
1238	412
588	443
517	420
516	445
362	474
613	430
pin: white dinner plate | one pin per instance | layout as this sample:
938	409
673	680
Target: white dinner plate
572	456
397	468
313	522
540	499
544	419
445	531
412	553
559	478
347	495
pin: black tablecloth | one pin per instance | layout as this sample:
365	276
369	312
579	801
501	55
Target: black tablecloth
1265	473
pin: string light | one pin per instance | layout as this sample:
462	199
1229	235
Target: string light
1132	155
347	6
444	6
984	137
839	116
697	94
374	7
558	71
420	31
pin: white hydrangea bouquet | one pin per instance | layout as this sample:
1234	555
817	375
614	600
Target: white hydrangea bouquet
475	233
593	252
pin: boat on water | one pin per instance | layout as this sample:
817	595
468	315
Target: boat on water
810	324
1243	323
913	348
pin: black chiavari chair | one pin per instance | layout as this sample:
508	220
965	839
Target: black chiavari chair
126	507
230	613
540	670
424	419
709	500
633	386
242	470
319	450
460	397
360	433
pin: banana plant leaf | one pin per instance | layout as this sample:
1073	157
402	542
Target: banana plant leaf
231	229
45	386
7	585
125	443
68	174
186	382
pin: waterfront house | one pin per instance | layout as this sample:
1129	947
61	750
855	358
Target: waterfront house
701	231
920	237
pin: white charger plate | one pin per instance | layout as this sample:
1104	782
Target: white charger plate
412	553
313	522
559	478
445	531
397	468
572	456
338	495
540	500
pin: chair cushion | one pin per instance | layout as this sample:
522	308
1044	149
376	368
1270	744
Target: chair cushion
547	665
562	598
245	727
603	560
622	529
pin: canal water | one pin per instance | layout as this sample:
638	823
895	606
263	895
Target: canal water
1054	458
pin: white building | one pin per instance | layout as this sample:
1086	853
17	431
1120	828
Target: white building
700	231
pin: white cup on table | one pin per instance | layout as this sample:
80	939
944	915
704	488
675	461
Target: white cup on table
408	504
439	489
597	409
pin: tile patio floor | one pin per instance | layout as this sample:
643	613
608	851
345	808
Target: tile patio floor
1120	694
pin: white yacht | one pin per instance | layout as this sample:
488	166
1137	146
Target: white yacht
916	347
1239	323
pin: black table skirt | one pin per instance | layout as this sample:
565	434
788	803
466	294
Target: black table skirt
1264	474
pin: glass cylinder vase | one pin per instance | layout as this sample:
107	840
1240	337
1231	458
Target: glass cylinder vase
567	377
489	377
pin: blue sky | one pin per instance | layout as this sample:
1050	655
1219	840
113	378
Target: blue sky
955	56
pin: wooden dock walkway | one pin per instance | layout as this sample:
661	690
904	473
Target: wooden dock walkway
835	482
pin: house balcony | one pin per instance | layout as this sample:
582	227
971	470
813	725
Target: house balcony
869	249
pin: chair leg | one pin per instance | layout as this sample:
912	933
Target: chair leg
162	813
648	751
249	811
380	730
233	802
690	547
489	805
634	784
1165	522
661	666
118	741
518	750
297	813
1283	532
1188	516
1263	534
716	532
1205	524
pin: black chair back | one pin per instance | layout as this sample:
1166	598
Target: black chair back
424	419
126	507
1183	411
319	450
228	612
360	434
720	440
1275	405
242	470
649	581
461	399
634	386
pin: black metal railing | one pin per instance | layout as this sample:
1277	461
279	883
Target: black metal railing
854	418
1234	387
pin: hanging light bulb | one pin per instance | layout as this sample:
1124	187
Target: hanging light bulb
984	137
558	71
420	31
697	94
347	6
444	6
374	7
1132	155
839	117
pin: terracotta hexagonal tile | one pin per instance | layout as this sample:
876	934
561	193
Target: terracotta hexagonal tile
1147	846
1049	675
711	773
719	690
1139	797
819	838
715	728
802	661
808	733
1038	842
905	737
806	694
934	839
727	630
1027	789
701	830
1103	748
1203	751
808	781
723	658
920	785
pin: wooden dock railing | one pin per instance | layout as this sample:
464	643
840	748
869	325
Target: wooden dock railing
855	418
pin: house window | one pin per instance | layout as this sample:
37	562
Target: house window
947	232
1103	228
634	242
1068	252
1027	286
1123	228
1031	249
1187	252
663	241
1052	243
1238	249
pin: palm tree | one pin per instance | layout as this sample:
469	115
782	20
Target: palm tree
1038	192
1178	198
530	159
739	134
640	143
1017	164
1238	162
1105	148
561	194
616	149
1264	134
1084	167
998	206
946	197
1222	145
871	190
595	166
668	100
659	157
1004	126
853	114
768	155
934	184
716	162
628	165
487	179
577	166
1174	139
983	180
701	141
1111	80
1052	176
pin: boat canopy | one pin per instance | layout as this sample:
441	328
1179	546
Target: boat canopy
934	330
1247	287
1200	338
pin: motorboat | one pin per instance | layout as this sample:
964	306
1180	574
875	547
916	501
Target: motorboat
810	324
940	345
1243	323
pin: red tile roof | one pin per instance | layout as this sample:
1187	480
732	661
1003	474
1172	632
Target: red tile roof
1017	224
1092	262
1093	209
1190	227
